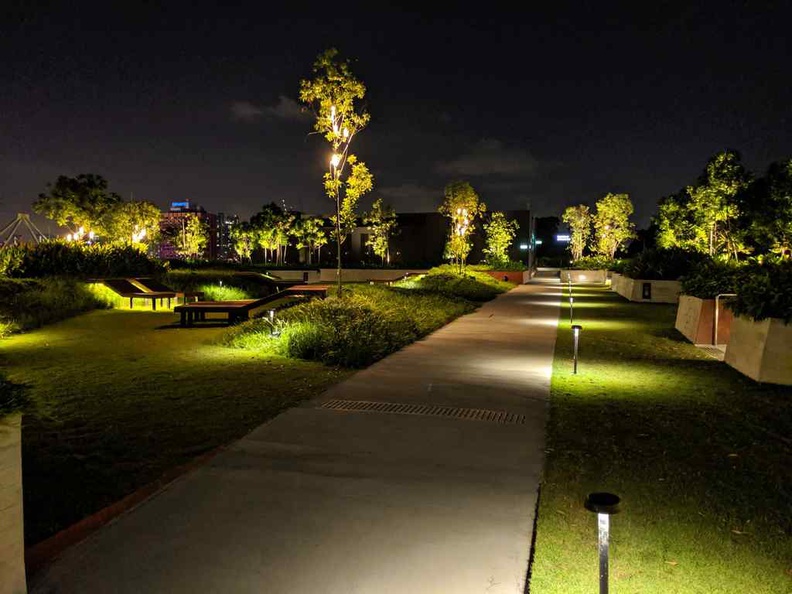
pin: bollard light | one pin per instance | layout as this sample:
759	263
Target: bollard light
271	314
571	310
576	328
604	505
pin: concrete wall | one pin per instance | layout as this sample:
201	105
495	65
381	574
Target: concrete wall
313	275
584	276
12	538
358	275
761	350
695	319
632	289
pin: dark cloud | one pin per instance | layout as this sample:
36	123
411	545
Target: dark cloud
492	157
246	111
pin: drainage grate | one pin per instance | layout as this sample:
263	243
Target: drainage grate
428	410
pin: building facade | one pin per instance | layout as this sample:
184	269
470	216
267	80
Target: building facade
176	216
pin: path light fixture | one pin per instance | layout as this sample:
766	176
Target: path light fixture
271	315
576	328
571	307
604	505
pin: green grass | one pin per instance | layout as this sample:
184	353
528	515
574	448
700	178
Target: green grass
370	322
118	397
473	285
699	454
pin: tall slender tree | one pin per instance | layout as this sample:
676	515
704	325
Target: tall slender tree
381	219
462	206
579	220
612	225
500	233
335	94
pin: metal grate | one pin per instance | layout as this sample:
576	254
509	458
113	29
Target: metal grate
427	410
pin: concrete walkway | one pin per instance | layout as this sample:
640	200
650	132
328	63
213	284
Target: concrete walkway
416	499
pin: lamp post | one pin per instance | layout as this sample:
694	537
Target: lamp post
571	313
576	328
604	505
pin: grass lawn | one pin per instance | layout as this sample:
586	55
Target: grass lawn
701	456
121	396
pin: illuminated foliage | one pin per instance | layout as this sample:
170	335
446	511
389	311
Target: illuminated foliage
131	223
187	235
334	94
310	235
462	205
500	233
767	209
381	219
579	220
243	240
612	226
77	202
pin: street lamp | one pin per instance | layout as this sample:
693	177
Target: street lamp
604	505
576	328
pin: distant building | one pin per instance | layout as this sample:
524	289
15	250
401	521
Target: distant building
225	251
175	215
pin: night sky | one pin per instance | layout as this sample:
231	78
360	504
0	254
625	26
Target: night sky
549	107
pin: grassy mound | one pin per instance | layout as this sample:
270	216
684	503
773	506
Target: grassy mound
473	285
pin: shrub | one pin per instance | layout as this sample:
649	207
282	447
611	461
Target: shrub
29	303
509	265
61	258
764	290
365	326
472	285
592	263
710	278
663	264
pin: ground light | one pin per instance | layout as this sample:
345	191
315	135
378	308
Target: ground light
576	328
604	505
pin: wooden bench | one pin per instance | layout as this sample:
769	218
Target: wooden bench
126	289
152	285
240	310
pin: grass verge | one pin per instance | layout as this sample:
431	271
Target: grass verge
699	454
118	397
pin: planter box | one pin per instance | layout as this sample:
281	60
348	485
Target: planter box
646	291
510	276
584	276
12	538
761	350
695	319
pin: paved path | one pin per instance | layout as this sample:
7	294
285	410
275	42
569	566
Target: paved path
360	502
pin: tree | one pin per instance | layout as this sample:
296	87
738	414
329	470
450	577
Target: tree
264	225
334	94
78	203
309	234
131	223
612	226
187	235
714	202
500	234
679	225
462	205
579	220
766	209
243	238
381	219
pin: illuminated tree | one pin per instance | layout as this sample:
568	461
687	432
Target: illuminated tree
612	226
767	209
131	223
382	222
679	225
500	234
334	94
462	206
579	220
310	236
78	203
187	235
243	239
714	203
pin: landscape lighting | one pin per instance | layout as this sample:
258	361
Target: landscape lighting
335	160
576	334
604	505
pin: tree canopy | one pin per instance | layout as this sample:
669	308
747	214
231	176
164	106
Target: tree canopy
500	233
335	93
579	220
612	225
462	206
77	202
381	219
